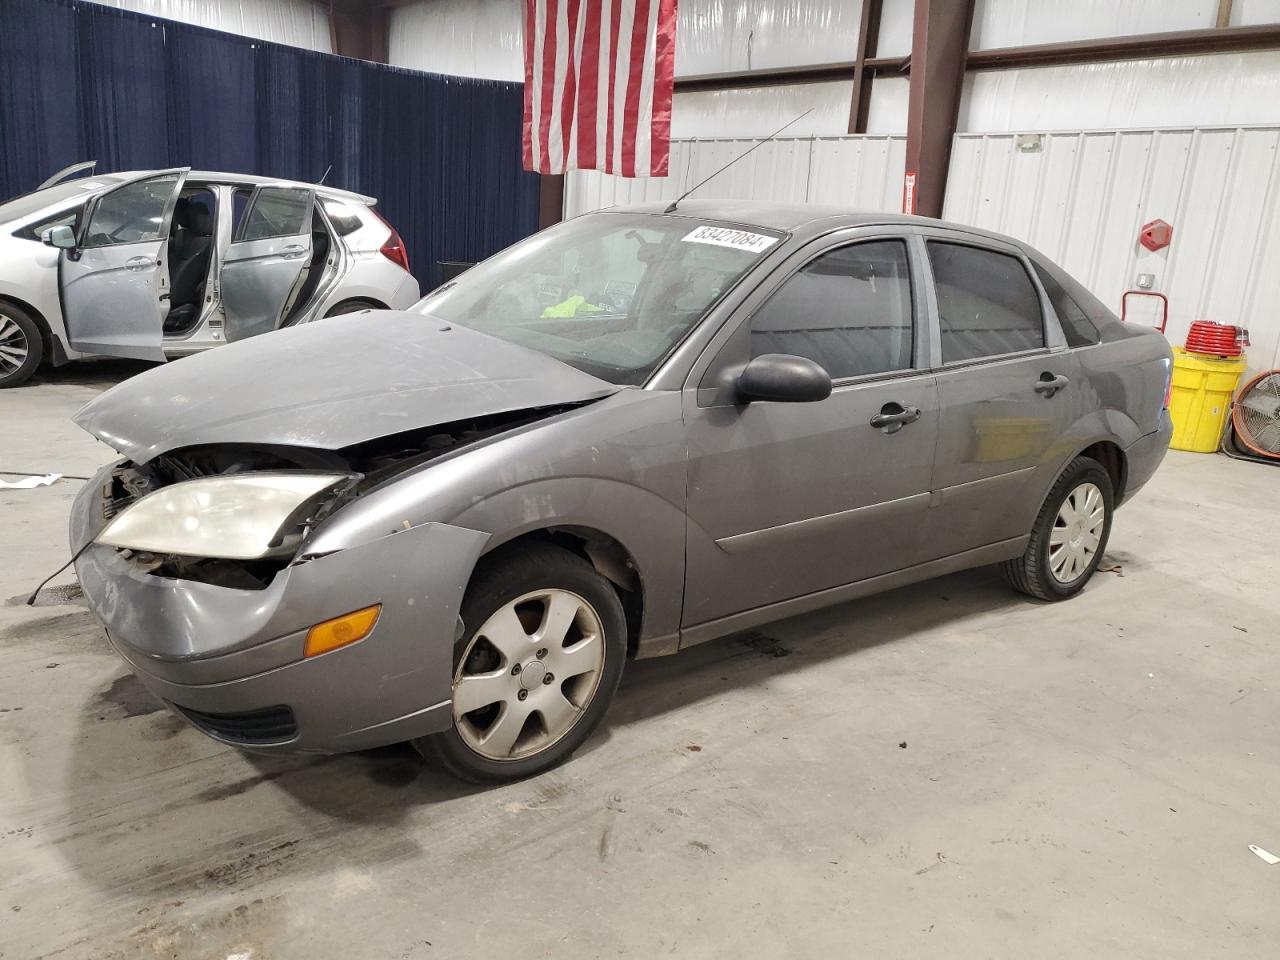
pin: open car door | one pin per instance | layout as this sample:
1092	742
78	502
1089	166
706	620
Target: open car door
264	265
114	279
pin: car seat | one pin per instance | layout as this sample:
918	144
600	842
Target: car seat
191	247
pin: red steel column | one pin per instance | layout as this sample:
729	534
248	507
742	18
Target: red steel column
939	48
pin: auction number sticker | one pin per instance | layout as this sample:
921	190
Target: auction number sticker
738	239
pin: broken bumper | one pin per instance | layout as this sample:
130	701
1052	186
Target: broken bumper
231	660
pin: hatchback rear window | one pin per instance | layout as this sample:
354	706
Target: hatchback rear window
987	304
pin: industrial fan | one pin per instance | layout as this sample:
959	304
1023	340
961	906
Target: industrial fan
1255	417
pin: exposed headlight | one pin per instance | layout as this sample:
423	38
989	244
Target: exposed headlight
235	517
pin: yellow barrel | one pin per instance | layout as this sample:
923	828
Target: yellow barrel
1202	390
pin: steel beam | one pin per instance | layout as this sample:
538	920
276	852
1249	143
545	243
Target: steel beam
868	39
550	200
359	30
1178	43
939	46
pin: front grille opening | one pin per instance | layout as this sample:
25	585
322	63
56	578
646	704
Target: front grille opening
253	727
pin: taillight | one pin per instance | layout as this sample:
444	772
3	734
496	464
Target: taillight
1168	389
393	249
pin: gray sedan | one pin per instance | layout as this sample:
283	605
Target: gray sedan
628	434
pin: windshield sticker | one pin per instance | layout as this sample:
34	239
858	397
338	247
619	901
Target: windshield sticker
739	239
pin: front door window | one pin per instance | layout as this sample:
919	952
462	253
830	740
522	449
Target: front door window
133	213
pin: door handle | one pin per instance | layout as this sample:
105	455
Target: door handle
135	264
293	251
1048	384
894	416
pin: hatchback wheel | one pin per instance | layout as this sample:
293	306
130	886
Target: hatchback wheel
1069	536
21	348
543	646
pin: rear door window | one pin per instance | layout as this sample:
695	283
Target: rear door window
276	212
987	304
848	310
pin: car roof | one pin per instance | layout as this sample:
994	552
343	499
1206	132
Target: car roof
793	217
215	176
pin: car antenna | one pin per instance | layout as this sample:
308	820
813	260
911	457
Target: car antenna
671	208
327	171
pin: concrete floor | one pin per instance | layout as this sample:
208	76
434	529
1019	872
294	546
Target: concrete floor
947	770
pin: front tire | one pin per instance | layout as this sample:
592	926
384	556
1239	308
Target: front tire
541	654
1069	536
21	346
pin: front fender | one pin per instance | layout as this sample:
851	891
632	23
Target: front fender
651	529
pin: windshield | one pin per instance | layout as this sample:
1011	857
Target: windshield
30	203
610	294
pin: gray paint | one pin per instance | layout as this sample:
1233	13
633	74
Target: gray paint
329	385
731	514
258	275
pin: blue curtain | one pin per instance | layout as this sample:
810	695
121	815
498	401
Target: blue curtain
81	81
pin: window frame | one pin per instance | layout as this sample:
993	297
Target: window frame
32	229
725	351
238	228
913	307
90	211
1054	340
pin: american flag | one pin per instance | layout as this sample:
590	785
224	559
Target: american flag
598	78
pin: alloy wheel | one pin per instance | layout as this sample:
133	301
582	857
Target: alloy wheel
528	674
1077	531
13	346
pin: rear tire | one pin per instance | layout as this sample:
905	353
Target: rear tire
21	346
543	645
1069	536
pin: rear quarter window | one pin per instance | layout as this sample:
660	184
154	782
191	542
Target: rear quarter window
1076	326
343	217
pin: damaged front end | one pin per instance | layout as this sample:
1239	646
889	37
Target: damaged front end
341	476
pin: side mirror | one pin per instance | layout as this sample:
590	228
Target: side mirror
785	378
61	236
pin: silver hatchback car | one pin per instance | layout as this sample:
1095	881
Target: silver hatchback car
159	264
630	433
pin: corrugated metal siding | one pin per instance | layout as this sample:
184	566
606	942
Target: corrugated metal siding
1082	197
861	172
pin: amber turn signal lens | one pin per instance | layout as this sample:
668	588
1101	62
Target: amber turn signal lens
341	631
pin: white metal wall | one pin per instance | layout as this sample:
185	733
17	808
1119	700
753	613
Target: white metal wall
484	38
298	23
1080	198
1224	88
1011	23
862	172
468	38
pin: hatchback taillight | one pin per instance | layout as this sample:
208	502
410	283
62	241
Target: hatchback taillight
393	249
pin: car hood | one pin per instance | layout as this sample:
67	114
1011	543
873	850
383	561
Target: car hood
331	384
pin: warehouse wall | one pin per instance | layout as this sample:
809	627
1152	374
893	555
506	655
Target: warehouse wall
862	172
483	38
1012	23
1081	198
297	23
1228	88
